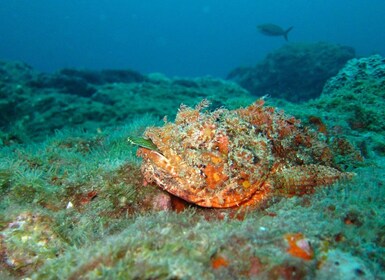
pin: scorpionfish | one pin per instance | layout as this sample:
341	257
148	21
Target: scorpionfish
232	158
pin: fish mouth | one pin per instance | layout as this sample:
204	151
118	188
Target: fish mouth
156	158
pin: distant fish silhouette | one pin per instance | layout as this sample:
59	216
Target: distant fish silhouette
273	30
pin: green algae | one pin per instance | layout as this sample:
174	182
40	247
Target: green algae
114	234
182	246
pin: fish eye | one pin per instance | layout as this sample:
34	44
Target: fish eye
256	159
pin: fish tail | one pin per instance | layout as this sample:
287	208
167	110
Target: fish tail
286	32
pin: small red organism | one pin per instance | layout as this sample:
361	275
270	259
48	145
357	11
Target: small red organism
88	197
218	261
299	246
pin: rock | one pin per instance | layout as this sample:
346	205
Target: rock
34	105
83	82
296	72
342	265
355	72
358	93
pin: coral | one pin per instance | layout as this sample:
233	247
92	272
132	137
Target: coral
296	72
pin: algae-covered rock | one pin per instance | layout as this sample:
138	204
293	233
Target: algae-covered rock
75	205
16	72
34	105
349	108
296	71
82	82
27	242
356	73
182	246
352	103
341	265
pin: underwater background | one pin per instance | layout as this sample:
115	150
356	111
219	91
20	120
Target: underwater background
133	134
183	38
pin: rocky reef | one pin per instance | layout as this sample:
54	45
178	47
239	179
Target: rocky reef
74	202
34	105
295	72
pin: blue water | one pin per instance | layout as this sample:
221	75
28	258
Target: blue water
177	37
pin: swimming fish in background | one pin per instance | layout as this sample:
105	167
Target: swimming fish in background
273	30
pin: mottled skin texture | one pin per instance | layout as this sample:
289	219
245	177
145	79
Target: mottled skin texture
236	158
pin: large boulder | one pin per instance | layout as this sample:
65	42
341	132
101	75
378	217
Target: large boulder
358	93
296	72
352	104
